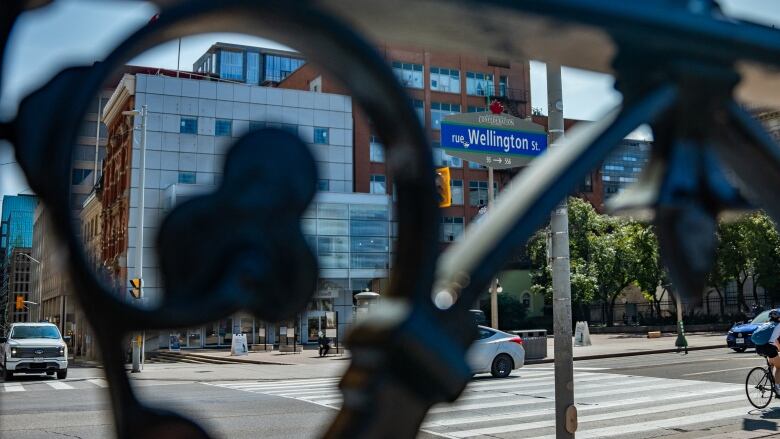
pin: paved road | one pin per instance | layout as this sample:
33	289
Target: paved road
663	395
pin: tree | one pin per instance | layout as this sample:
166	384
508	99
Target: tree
733	252
764	241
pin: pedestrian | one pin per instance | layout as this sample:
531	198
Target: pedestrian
324	343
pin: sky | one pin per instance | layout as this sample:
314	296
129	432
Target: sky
73	32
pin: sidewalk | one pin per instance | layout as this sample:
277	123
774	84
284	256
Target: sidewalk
621	345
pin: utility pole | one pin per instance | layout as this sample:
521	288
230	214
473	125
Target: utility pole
494	282
565	411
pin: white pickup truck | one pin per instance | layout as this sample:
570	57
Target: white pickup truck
33	348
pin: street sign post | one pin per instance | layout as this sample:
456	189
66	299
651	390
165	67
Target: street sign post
498	141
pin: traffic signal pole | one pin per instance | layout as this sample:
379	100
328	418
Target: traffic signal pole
565	411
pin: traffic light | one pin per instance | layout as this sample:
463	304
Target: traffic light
136	284
443	187
19	303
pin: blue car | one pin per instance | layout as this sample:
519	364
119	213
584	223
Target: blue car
738	337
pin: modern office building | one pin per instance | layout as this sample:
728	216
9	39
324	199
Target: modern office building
190	127
247	64
16	236
624	165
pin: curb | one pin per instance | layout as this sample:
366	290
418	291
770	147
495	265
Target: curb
626	354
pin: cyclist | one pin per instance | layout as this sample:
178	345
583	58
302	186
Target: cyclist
766	340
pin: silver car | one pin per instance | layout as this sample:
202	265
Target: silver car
496	352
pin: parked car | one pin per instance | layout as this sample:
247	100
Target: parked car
738	337
496	352
479	316
33	348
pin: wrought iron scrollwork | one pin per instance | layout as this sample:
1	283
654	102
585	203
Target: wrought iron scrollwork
411	355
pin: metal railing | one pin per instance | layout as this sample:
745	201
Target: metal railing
683	85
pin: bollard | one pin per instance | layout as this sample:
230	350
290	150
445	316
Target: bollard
136	357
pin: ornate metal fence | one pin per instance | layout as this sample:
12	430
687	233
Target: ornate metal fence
677	64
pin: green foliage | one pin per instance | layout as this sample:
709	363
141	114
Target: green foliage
511	312
607	254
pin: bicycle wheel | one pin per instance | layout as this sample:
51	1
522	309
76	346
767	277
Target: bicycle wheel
758	387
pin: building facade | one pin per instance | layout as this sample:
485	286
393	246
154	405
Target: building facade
16	237
247	64
190	127
624	165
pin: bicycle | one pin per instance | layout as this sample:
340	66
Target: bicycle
760	385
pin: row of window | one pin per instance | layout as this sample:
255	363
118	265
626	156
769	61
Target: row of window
224	128
448	80
245	66
478	190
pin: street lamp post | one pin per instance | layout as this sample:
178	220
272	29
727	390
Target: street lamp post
139	242
32	259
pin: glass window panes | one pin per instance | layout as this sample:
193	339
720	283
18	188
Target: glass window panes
252	67
479	84
376	150
332	227
81	176
378	184
231	65
323	185
419	108
223	127
367	228
475	165
456	190
441	158
441	109
309	226
451	228
409	74
279	67
332	244
189	125
444	79
478	193
334	211
370	260
368	212
370	244
320	135
333	260
186	177
475	109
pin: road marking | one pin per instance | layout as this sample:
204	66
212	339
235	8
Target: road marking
594	418
629	428
13	387
717	371
99	382
58	385
632	401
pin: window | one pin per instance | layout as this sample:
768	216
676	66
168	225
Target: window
323	185
334	211
332	244
189	125
451	228
475	165
447	80
502	85
368	212
376	150
456	190
419	108
320	135
231	65
368	228
223	127
587	184
252	67
441	109
80	176
370	244
479	84
328	227
526	300
441	158
187	177
410	75
475	109
378	184
279	67
478	192
370	260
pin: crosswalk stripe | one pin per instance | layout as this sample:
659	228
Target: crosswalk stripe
524	414
98	382
13	387
58	385
535	399
280	384
628	428
593	418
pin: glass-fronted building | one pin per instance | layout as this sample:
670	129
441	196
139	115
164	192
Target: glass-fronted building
623	166
16	228
252	65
